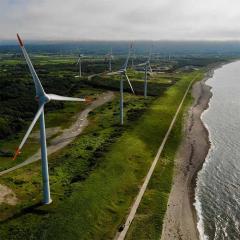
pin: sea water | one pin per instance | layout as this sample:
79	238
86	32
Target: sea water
218	184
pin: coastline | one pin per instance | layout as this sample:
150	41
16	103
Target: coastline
180	221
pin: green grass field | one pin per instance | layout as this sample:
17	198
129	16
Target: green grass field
95	179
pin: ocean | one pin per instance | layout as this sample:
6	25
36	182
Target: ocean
218	184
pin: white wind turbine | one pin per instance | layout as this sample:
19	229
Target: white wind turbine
123	73
42	98
79	62
147	67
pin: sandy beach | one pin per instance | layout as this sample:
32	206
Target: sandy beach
180	221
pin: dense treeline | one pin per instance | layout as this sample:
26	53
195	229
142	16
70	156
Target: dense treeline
17	94
17	104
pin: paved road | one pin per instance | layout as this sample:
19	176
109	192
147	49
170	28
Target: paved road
69	134
122	234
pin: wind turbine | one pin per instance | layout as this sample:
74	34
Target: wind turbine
123	73
79	62
42	98
110	57
147	66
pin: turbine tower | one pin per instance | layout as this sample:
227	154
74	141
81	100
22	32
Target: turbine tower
42	98
147	66
123	73
79	62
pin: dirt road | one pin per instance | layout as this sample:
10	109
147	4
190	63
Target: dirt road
67	135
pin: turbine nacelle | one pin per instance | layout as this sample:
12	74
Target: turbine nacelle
110	56
42	99
122	71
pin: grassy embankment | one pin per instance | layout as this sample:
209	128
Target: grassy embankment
95	180
148	221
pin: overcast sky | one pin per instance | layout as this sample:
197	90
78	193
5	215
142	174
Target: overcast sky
120	19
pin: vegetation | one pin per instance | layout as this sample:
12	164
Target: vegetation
148	221
95	179
17	95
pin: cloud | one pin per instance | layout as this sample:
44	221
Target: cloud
125	19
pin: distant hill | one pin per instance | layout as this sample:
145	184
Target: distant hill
120	47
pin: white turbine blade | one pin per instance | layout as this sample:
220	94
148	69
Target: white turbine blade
114	73
126	76
126	62
37	83
62	98
150	67
78	61
29	131
150	53
141	64
149	57
124	67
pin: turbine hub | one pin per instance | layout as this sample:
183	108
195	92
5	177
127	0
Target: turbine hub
42	99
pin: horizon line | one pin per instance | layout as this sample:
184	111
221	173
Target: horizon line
118	40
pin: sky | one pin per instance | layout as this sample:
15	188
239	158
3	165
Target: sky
120	19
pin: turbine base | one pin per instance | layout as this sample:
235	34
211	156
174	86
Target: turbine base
47	202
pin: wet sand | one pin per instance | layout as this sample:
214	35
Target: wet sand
180	222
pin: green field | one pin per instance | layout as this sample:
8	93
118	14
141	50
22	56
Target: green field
95	179
148	221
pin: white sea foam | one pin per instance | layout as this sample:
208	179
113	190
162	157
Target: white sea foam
216	195
197	203
200	223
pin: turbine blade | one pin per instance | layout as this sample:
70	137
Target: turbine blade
124	67
142	64
150	67
150	53
37	83
78	61
29	131
62	98
126	62
149	57
126	76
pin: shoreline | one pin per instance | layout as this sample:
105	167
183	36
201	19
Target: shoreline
180	221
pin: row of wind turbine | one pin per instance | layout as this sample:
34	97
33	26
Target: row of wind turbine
42	98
